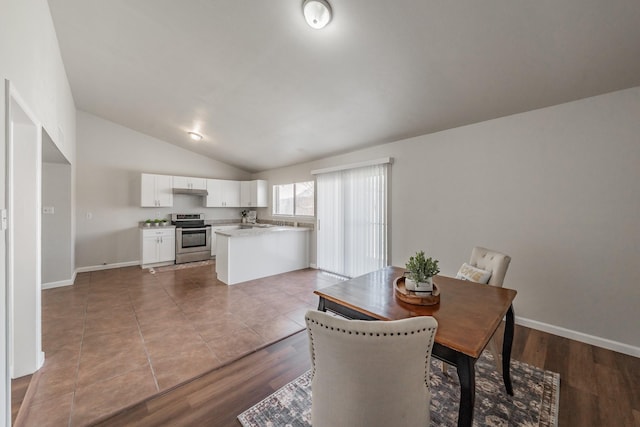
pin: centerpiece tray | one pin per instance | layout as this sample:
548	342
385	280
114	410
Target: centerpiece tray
411	297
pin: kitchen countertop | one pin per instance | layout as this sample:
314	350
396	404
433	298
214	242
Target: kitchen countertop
153	227
255	231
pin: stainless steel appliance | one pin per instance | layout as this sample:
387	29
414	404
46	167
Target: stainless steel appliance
193	238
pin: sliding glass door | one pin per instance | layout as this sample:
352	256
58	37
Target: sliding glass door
352	219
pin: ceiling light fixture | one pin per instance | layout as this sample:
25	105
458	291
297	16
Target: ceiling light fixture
195	136
317	13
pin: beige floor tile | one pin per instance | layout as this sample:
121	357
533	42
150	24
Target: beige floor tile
95	368
99	399
275	328
240	343
54	412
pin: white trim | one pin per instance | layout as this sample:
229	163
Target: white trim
381	161
60	283
580	336
107	266
314	266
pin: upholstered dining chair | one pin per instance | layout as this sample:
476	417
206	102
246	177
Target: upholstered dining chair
370	373
489	267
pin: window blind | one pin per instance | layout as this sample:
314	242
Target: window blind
352	220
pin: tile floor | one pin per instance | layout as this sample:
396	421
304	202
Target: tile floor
118	336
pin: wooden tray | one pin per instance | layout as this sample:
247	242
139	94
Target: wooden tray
411	297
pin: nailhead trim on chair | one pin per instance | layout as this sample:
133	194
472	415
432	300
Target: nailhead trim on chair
313	350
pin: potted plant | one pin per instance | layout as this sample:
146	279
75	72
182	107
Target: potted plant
147	223
156	222
420	272
244	214
164	222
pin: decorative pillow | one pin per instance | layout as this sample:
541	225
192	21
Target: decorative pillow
475	274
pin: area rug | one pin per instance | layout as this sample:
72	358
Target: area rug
154	270
535	400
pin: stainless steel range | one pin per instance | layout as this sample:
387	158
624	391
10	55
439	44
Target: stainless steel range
193	238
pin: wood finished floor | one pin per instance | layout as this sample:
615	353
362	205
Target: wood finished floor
597	387
119	336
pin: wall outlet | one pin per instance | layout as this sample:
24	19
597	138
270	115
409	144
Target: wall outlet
48	210
89	215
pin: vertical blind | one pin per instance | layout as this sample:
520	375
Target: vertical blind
352	220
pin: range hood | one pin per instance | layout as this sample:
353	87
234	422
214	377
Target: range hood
192	191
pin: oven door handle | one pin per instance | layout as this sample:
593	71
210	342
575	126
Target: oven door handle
183	229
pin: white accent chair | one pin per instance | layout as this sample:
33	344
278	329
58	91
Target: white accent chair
497	263
370	373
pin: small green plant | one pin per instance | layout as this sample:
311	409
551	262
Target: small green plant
157	221
419	268
148	221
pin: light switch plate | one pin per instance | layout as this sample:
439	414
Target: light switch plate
3	219
48	210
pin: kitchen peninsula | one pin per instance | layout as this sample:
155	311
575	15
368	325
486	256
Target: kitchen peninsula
252	253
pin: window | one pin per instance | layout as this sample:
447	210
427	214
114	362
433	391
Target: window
294	199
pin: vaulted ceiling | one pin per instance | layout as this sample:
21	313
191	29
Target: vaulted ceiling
268	91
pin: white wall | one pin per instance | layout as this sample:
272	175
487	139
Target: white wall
31	60
110	161
57	264
5	383
557	188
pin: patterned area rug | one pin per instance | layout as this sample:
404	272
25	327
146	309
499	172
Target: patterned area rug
535	402
154	270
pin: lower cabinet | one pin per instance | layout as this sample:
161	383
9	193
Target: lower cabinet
157	247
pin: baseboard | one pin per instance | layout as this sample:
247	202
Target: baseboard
107	266
579	336
314	266
60	283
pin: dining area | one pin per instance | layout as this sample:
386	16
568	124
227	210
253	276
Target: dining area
385	348
467	317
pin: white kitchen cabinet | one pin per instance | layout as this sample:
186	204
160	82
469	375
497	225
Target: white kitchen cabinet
157	246
189	183
156	190
253	194
223	193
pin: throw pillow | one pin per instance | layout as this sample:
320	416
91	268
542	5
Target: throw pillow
475	274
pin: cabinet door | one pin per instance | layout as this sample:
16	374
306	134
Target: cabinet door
164	190
148	191
189	182
167	248
181	182
149	249
231	193
260	193
253	194
198	183
245	193
156	190
215	197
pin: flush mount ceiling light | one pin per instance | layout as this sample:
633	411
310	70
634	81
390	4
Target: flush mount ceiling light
195	136
317	13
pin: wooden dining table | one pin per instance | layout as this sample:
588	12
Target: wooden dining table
468	315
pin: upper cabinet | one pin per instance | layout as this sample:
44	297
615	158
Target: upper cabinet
189	183
223	193
156	191
253	194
